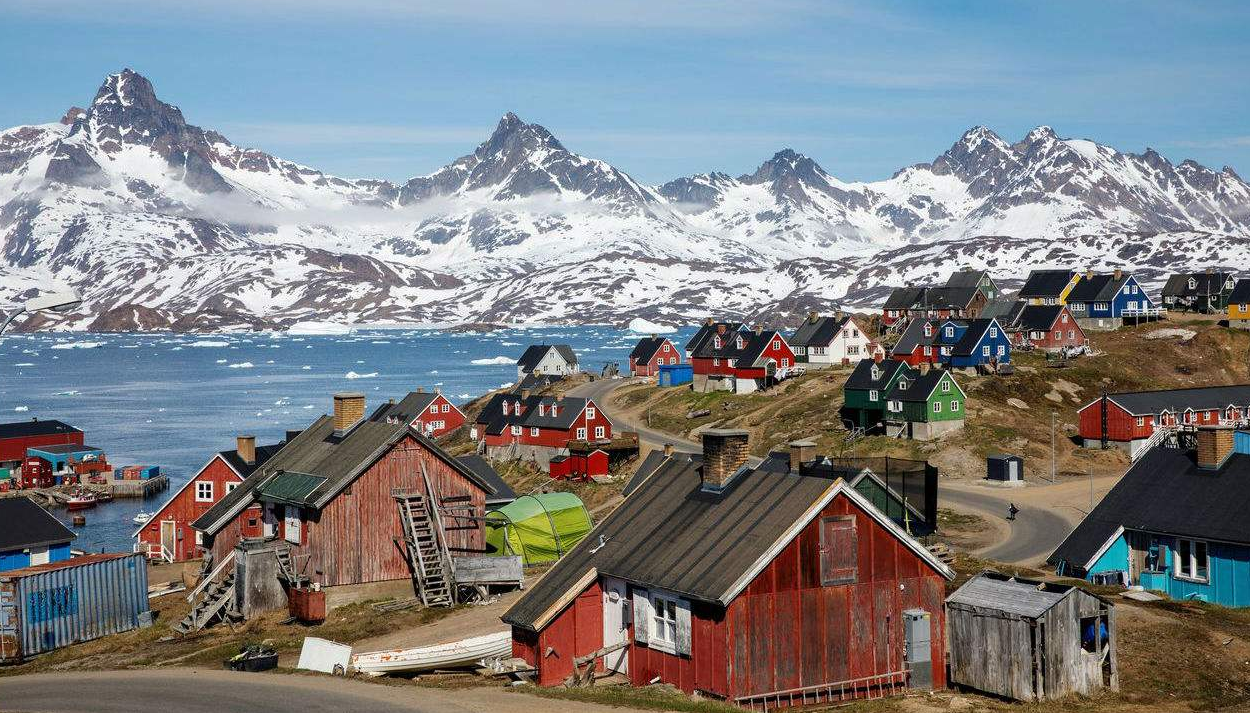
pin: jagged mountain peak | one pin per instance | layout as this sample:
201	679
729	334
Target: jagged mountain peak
785	164
512	134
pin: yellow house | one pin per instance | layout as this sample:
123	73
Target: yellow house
1049	287
1239	305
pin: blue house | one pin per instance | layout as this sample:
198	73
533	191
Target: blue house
1174	524
29	535
974	343
1104	301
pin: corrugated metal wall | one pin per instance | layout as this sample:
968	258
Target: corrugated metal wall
83	599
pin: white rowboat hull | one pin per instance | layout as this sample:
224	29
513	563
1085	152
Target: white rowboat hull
456	654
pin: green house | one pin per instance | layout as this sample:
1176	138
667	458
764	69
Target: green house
864	392
924	406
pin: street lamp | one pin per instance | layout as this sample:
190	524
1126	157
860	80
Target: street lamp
52	302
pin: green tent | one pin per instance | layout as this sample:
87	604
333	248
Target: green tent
540	528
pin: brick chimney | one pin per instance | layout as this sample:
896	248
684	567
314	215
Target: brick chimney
349	409
801	452
812	317
420	389
724	452
525	394
1215	445
720	329
246	447
669	450
1118	273
758	329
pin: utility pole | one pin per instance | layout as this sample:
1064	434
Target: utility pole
1052	447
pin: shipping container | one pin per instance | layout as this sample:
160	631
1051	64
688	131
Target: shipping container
55	605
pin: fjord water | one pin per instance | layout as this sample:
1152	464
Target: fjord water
175	400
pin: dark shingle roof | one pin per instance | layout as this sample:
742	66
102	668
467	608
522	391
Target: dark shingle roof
861	377
965	278
493	417
1097	288
1203	398
263	454
1240	293
974	331
35	427
646	348
535	352
24	524
671	534
317	451
1046	283
534	382
1205	284
919	386
753	347
1007	312
66	448
406	409
818	332
1039	318
649	465
707	330
1167	493
913	337
904	297
500	492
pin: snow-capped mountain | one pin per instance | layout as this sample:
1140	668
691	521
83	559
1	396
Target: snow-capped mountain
163	224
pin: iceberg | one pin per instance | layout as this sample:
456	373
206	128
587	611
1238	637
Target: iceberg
638	325
499	360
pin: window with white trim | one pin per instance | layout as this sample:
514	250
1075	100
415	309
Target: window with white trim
1002	350
581	434
590	412
785	362
1141	420
667	348
946	386
516	430
534	431
230	487
985	350
599	432
1190	560
445	408
928	351
663	632
433	408
873	394
954	406
937	407
994	332
203	491
950	331
896	405
776	345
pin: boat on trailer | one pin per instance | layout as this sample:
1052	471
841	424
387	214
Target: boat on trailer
473	651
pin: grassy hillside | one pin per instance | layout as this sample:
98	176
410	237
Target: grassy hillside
1177	353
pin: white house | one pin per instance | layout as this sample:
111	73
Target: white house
825	341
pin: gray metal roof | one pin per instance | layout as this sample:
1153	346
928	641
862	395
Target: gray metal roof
1025	598
818	332
1203	398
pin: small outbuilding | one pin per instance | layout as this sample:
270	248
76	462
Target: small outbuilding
1030	640
1005	468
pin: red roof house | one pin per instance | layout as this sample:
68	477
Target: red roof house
763	586
431	414
529	426
168	535
16	437
650	354
739	360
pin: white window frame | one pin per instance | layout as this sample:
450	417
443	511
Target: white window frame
662	623
776	345
516	430
204	491
590	412
581	433
937	407
946	386
1141	421
600	432
873	395
533	431
985	350
954	407
445	408
230	488
994	332
1189	570
785	362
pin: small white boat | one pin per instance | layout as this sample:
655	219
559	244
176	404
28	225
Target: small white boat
142	518
457	654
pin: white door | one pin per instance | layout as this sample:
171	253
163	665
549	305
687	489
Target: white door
270	520
616	610
38	555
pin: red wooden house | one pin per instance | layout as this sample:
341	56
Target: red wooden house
522	425
430	414
650	354
1127	420
579	466
740	360
919	344
16	437
328	494
763	586
168	535
1046	327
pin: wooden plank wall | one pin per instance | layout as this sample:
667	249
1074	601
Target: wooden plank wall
991	651
353	539
577	631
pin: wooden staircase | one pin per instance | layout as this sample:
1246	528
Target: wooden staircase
212	600
427	551
287	571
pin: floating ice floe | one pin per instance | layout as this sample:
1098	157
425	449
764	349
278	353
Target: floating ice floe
25	363
78	345
221	361
21	409
354	375
242	365
306	367
465	396
208	343
642	326
314	327
500	360
71	392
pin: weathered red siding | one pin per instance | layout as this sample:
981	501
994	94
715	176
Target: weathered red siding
14	449
452	419
1121	425
576	631
652	366
183	509
351	541
554	437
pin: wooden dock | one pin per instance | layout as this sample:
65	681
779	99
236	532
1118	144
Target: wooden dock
133	488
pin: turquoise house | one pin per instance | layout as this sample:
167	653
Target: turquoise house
1174	524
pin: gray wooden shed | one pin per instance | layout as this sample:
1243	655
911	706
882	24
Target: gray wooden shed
1030	640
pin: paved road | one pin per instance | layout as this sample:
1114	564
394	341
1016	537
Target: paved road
1035	533
208	691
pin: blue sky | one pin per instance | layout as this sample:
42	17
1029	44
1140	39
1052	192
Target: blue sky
397	88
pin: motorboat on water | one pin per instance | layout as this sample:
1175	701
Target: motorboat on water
142	518
82	500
